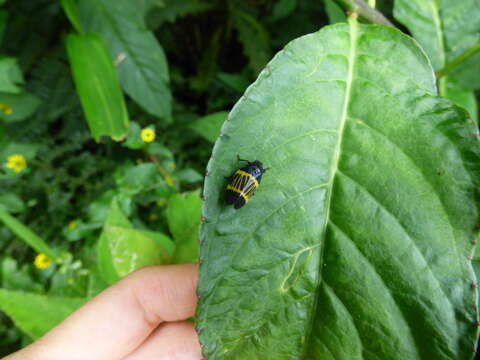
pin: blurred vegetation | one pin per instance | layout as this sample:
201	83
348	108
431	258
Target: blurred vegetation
69	183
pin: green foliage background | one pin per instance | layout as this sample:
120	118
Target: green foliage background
93	192
214	49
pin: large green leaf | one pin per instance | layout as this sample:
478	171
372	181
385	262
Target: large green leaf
356	244
97	86
36	314
209	126
445	29
141	63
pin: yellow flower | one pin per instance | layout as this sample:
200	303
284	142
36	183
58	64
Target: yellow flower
147	135
16	162
72	225
171	165
42	261
7	109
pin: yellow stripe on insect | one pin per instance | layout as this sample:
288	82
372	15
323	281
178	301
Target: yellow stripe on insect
242	194
244	173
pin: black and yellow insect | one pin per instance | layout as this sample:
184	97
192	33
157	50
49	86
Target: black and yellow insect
243	183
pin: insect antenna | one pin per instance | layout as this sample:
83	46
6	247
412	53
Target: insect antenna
239	159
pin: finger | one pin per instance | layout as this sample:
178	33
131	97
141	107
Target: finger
119	319
177	340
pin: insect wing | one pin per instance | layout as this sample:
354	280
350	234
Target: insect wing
233	191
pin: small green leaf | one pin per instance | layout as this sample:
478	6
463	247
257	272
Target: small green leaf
97	86
237	82
26	150
11	202
356	243
464	98
17	107
11	77
123	249
15	278
140	61
133	179
171	10
334	11
207	65
188	175
282	9
71	10
209	126
183	215
134	141
36	314
468	73
254	38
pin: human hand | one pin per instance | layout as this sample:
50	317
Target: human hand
140	317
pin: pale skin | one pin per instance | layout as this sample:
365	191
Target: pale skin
142	317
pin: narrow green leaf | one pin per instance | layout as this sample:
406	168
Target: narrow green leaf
171	10
254	38
3	23
27	235
183	215
207	66
140	61
36	314
97	86
123	249
209	126
71	10
356	244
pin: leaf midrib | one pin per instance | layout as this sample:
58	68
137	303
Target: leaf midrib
353	34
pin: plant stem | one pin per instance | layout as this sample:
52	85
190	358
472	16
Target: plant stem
365	11
458	60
